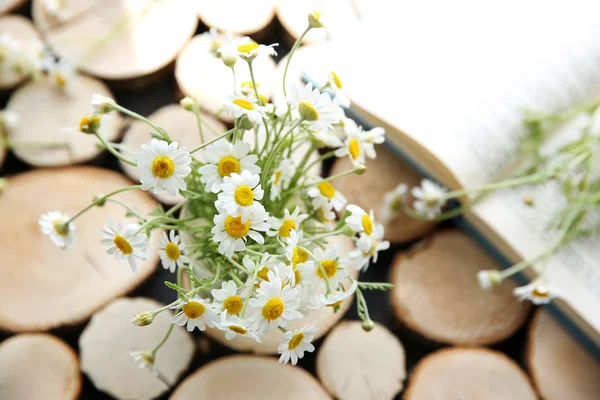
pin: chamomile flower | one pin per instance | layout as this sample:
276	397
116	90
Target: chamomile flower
324	193
296	343
283	227
488	279
293	252
238	105
284	272
327	138
324	211
429	198
357	144
195	312
235	326
54	224
314	107
274	305
391	201
239	193
102	104
228	298
163	166
340	97
171	251
265	265
247	49
359	220
125	242
224	158
369	246
60	73
537	292
281	177
231	233
143	359
333	299
328	265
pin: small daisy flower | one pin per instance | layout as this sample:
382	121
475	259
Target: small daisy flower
59	72
323	193
227	298
324	212
340	97
282	227
195	312
231	233
163	166
171	252
296	343
359	220
54	225
239	193
537	292
266	264
329	265
143	359
224	158
369	247
314	20
238	105
125	242
327	138
274	305
247	49
391	202
235	326
333	299
357	144
281	177
314	107
284	272
102	104
429	198
293	252
488	279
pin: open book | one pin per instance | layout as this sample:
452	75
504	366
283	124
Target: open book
450	85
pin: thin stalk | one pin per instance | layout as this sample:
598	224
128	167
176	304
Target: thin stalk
229	132
113	151
287	64
101	199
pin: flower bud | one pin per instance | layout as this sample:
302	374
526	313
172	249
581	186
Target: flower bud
489	278
528	200
143	319
102	104
90	123
187	103
314	20
348	231
228	57
360	169
368	325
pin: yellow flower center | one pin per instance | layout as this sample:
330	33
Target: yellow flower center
286	227
277	177
237	329
235	228
248	47
90	123
193	309
337	303
326	189
263	274
296	340
227	165
245	104
367	224
273	309
243	195
299	256
336	80
172	251
61	228
354	148
263	99
329	266
60	80
308	111
297	276
540	292
123	245
233	304
162	167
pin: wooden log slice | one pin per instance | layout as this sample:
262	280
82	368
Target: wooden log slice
249	378
468	373
560	367
201	75
383	174
50	116
237	16
121	41
38	366
354	364
106	342
436	293
63	286
20	29
181	125
7	6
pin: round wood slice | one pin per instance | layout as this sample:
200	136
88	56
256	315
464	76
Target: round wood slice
108	339
201	75
121	42
63	286
354	364
383	174
249	378
237	16
38	366
181	125
560	367
323	318
436	293
10	5
468	373
22	30
49	116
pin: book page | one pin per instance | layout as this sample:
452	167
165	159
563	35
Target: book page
456	77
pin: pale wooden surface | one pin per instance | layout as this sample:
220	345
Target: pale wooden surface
383	174
436	293
64	287
49	115
355	365
38	366
237	16
109	337
249	378
560	367
181	125
468	373
22	30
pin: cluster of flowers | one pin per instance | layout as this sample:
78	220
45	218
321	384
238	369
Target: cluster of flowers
255	227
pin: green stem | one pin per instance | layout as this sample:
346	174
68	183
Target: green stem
229	132
113	151
332	233
274	152
135	115
101	199
198	119
162	342
128	208
535	178
236	279
289	58
329	178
